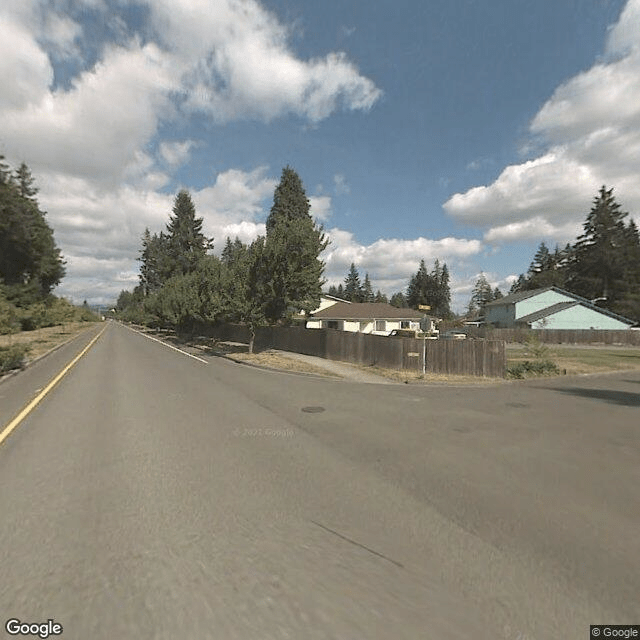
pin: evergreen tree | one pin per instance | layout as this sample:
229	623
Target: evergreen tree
497	294
380	297
292	252
333	291
30	262
157	265
290	201
367	290
398	300
597	267
187	245
340	291
482	293
352	287
25	182
247	289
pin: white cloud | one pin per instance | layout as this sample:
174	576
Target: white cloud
90	142
591	129
533	229
390	263
237	196
176	154
245	68
320	207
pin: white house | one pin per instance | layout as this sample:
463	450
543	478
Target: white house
551	308
365	317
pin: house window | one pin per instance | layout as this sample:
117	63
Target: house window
381	325
405	324
332	324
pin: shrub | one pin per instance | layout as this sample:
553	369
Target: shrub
536	367
12	357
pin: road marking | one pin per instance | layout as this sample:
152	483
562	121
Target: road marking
32	405
167	345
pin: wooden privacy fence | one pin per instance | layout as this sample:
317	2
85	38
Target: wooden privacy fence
457	357
559	336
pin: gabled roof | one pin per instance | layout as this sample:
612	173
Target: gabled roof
512	298
547	311
366	311
524	295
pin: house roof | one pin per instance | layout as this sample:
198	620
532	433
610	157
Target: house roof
366	311
524	295
329	297
547	311
512	298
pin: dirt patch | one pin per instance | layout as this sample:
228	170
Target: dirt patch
41	341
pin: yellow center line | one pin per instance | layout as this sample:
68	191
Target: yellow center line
32	405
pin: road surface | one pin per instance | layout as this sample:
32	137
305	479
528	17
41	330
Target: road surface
153	495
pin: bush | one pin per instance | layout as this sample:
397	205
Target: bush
12	357
537	367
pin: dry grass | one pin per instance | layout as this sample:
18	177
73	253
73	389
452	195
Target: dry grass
414	377
40	341
282	363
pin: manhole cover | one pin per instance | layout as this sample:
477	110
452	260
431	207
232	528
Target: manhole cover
313	409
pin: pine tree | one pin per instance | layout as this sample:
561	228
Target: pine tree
367	290
597	267
352	287
333	291
398	300
381	297
290	201
187	245
482	293
419	287
25	182
30	262
340	291
292	252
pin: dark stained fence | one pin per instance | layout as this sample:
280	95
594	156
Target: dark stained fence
629	337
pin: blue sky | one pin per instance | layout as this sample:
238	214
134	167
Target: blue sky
467	131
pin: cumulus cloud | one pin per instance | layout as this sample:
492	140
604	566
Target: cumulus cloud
320	207
92	141
591	130
175	154
246	68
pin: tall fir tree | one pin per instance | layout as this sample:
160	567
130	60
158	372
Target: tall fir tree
597	267
290	200
292	252
482	294
352	286
30	261
367	290
187	245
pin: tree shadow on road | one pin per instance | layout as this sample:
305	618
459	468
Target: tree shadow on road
624	398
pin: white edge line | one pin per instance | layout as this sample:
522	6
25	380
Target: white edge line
167	345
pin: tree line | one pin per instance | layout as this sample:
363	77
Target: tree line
182	284
31	264
424	288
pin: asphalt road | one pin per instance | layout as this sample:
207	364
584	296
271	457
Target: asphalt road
152	495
